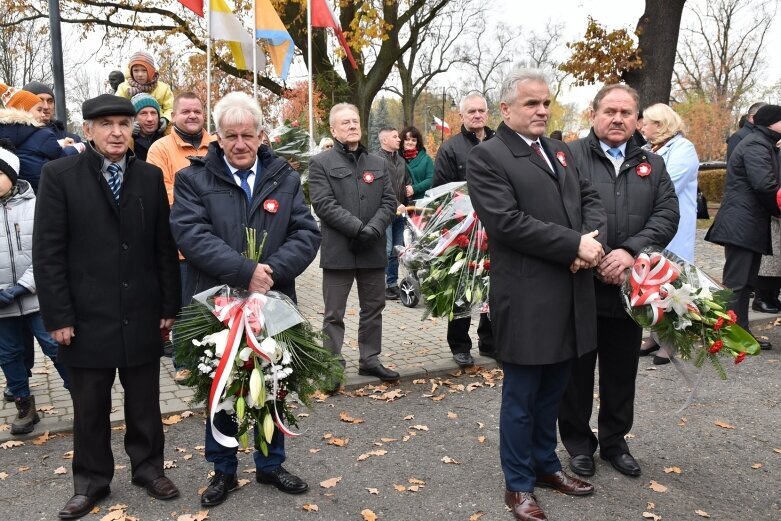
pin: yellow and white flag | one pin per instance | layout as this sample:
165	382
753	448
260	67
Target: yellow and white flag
224	25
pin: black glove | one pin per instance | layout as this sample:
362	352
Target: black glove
10	293
368	234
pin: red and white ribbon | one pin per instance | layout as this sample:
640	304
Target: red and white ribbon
649	273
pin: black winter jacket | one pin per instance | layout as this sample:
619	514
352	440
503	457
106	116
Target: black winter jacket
210	214
450	164
641	211
737	137
749	194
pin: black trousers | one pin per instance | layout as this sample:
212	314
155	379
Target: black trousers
741	267
93	461
458	335
618	351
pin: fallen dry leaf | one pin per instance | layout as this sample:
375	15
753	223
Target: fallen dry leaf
5	427
379	452
310	507
23	469
60	470
10	444
343	416
68	455
650	506
368	515
399	488
95	510
452	415
169	464
302	415
187	457
724	425
676	470
202	515
777	451
416	481
114	515
374	491
339	442
481	439
414	488
187	414
314	451
388	440
702	513
3	475
419	381
410	417
419	427
476	516
327	436
438	398
650	515
682	422
243	482
330	483
120	467
657	487
172	420
448	459
389	396
757	466
43	438
479	425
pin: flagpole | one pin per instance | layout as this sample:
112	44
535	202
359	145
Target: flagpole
209	66
311	76
255	50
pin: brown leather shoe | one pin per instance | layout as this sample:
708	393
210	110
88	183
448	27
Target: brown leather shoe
80	505
566	484
159	488
524	506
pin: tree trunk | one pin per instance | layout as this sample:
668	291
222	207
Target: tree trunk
657	30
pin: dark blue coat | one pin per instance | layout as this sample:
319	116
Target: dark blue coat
61	131
210	214
35	145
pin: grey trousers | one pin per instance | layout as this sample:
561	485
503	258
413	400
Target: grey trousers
371	298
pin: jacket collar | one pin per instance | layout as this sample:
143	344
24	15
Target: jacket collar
770	135
472	137
95	158
342	149
519	148
632	149
214	161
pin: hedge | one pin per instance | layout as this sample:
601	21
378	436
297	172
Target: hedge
711	182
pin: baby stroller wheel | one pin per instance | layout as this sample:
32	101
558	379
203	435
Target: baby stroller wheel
409	291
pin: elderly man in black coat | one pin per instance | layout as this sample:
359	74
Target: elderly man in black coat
742	225
240	184
642	210
108	282
542	219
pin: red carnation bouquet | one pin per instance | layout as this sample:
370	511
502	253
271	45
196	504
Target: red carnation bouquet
449	253
685	309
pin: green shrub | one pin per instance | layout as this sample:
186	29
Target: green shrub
711	182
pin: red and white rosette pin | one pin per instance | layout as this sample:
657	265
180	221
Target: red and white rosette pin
368	178
643	169
562	158
649	273
271	205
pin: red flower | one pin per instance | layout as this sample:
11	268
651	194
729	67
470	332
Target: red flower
368	178
295	124
643	169
462	241
732	317
444	231
487	265
281	394
562	158
716	346
271	205
740	358
482	240
719	324
249	365
472	265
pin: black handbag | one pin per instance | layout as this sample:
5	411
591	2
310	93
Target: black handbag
702	206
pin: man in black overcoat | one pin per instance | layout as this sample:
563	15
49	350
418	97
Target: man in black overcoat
108	282
642	211
542	220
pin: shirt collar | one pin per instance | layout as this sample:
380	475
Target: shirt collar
606	147
530	141
233	169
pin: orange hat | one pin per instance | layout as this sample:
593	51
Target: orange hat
146	60
14	98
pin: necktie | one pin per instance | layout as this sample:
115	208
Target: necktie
615	153
114	181
243	175
536	147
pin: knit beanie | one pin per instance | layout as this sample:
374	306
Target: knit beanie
38	88
9	162
768	115
13	98
145	59
143	100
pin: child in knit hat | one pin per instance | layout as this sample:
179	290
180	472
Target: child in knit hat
143	77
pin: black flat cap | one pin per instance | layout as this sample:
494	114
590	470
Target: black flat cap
107	105
768	115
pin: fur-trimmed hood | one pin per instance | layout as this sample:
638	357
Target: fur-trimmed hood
18	125
19	117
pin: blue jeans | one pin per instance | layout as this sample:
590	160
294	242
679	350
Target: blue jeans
394	236
224	458
12	351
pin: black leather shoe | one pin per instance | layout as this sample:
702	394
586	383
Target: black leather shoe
283	480
661	360
80	505
649	346
159	488
763	344
8	396
582	465
381	372
463	359
624	463
764	307
218	489
392	293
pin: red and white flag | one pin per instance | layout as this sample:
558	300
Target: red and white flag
196	6
323	16
441	124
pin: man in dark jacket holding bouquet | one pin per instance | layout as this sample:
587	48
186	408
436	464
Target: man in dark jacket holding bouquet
240	184
352	194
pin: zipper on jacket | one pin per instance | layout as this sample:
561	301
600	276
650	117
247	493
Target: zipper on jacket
11	254
18	236
141	211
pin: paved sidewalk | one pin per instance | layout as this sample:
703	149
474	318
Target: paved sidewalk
411	346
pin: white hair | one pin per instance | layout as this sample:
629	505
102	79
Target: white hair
465	99
338	108
517	75
236	108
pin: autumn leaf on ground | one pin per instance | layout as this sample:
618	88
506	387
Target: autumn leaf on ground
399	488
343	416
319	396
481	439
187	414
452	415
389	396
310	507
339	442
657	487
419	381
47	409
5	427
480	425
419	427
416	481
368	515
448	459
414	488
374	491
410	417
438	398
10	444
476	516
724	425
650	515
169	464
23	469
3	475
172	420
702	513
202	515
650	506
314	451
676	470
243	482
43	438
330	483
682	422
388	440
60	470
757	466
302	415
777	450
369	454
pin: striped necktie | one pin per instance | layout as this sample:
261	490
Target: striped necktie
114	180
244	175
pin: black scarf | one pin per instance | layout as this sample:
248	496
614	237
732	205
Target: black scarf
193	139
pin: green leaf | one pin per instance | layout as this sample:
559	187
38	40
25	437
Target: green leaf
739	340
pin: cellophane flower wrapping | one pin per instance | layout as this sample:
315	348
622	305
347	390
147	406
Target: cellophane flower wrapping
449	253
290	141
277	353
685	309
